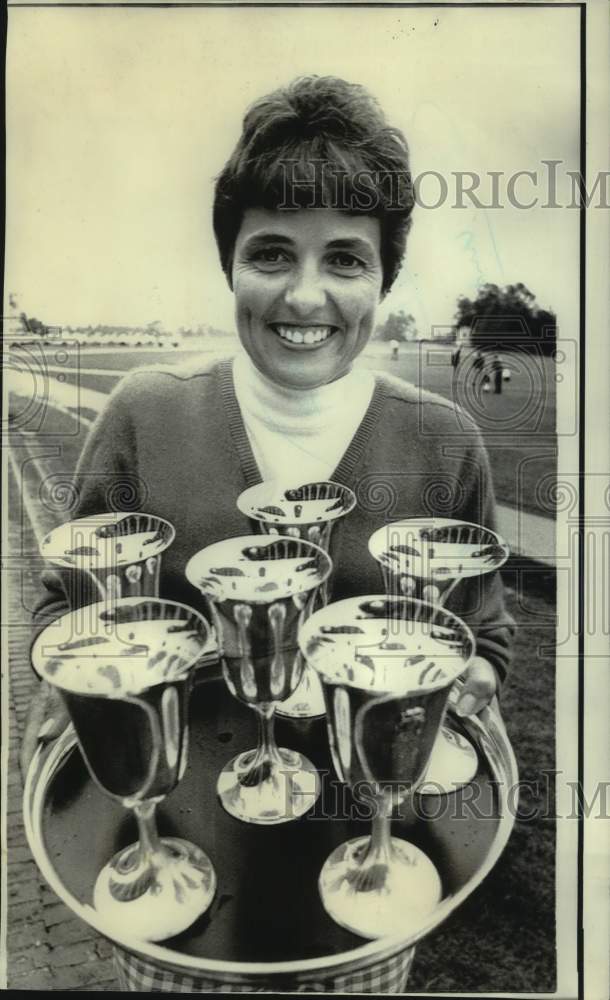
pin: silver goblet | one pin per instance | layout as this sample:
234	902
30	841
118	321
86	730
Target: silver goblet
124	672
427	558
260	591
108	556
309	511
387	665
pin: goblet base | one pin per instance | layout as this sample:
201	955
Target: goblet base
453	763
270	791
157	896
379	898
307	701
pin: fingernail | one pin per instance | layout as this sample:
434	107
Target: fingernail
466	705
431	593
47	729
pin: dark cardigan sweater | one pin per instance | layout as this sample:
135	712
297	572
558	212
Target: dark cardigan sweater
172	442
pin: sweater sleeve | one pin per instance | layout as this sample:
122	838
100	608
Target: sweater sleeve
480	600
106	479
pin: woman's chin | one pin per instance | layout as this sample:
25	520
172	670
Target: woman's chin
301	369
297	378
303	374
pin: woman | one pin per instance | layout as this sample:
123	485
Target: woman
311	215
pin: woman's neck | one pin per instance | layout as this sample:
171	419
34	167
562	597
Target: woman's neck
277	404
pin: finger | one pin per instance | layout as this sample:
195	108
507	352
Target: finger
56	708
46	719
479	688
431	593
51	729
35	719
28	749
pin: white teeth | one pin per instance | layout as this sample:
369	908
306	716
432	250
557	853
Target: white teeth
304	334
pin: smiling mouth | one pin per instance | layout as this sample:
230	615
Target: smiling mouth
308	336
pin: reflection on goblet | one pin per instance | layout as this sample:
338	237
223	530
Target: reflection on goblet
308	511
427	558
108	556
260	591
387	665
124	674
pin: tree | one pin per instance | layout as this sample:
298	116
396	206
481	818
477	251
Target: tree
398	326
32	325
507	318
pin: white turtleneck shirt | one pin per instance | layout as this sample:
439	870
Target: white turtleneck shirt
299	435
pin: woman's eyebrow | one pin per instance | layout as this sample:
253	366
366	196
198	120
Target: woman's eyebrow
268	237
351	243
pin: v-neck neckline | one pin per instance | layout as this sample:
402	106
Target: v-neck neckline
351	456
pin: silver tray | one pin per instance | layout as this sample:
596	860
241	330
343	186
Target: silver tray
266	929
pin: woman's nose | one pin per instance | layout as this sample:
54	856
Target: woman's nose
305	291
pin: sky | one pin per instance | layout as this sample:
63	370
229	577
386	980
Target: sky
119	120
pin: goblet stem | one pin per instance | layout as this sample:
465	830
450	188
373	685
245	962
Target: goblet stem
307	700
266	732
159	887
267	757
270	784
376	853
150	843
381	841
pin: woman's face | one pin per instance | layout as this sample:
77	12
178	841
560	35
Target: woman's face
306	286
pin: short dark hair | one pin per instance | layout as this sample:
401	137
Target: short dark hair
320	142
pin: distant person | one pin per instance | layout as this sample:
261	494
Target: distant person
455	361
394	350
480	374
478	362
497	367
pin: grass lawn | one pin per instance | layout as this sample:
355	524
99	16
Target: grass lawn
518	426
503	938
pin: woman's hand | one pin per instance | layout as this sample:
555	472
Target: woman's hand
480	686
46	720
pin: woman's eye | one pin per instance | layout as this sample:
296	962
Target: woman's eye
346	262
269	257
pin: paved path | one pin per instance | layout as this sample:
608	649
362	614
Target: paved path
528	535
47	947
